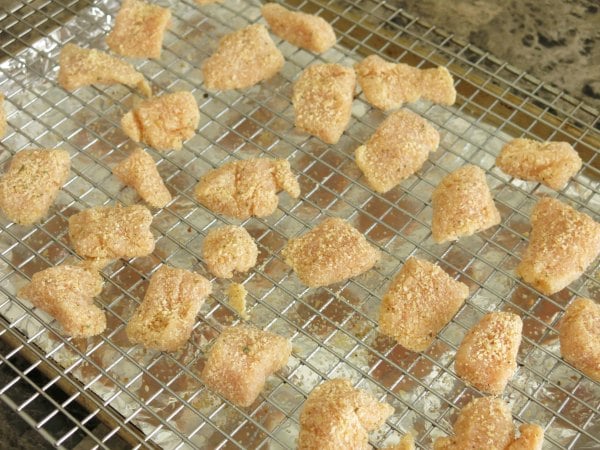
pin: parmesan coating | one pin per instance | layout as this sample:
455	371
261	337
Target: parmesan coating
337	416
83	67
139	29
563	242
237	299
108	232
2	117
387	85
549	163
322	100
421	299
67	292
229	248
300	29
396	150
487	356
240	361
163	122
139	171
165	319
531	438
242	189
331	252
32	182
462	205
580	336
242	59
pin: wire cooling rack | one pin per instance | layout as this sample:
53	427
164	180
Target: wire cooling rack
157	399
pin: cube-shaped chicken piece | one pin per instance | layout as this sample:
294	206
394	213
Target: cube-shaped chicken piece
240	361
32	182
227	249
2	117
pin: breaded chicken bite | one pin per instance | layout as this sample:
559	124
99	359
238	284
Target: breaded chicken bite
337	416
139	171
331	252
549	163
31	184
322	100
387	85
397	149
139	29
163	122
165	319
462	205
300	29
2	117
406	443
242	189
240	361
83	67
580	336
563	242
242	59
112	232
67	292
421	299
227	249
487	356
531	438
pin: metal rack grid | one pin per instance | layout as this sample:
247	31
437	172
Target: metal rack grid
152	398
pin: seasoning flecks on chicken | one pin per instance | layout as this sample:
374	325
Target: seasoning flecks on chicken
227	249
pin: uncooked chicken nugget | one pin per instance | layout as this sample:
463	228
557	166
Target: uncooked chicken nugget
2	117
397	149
300	29
139	29
163	122
165	319
462	205
387	85
240	361
338	416
487	355
31	183
83	67
112	232
563	242
139	171
322	100
242	59
331	252
227	249
421	299
242	189
549	163
580	336
67	293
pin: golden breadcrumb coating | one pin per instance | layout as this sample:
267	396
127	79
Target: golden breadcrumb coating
549	163
242	59
331	252
227	249
563	242
83	67
139	29
237	299
2	117
165	319
300	29
580	336
242	189
67	293
487	356
406	443
387	85
337	416
462	205
240	361
163	122
421	299
322	100
531	438
139	171
31	184
109	232
397	149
